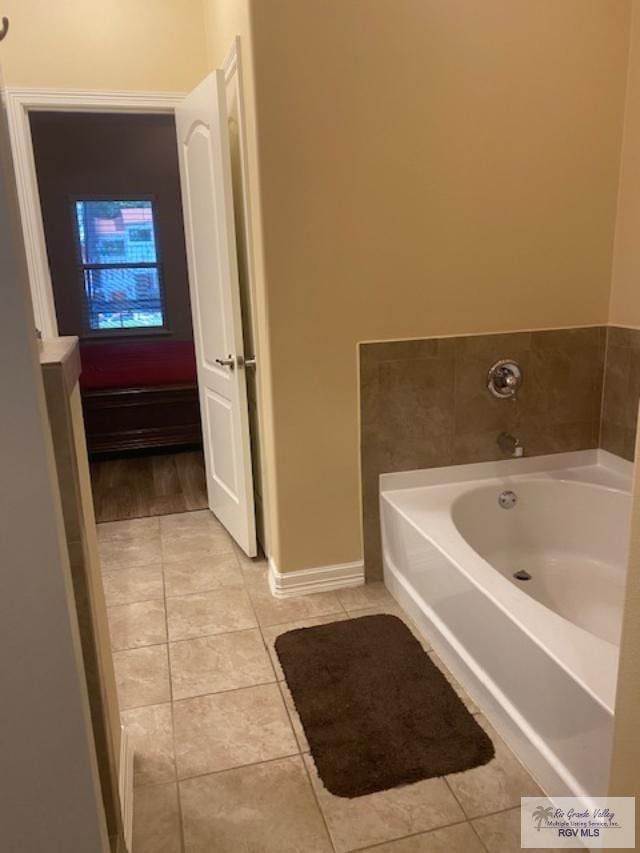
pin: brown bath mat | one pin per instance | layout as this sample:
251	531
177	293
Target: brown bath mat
376	711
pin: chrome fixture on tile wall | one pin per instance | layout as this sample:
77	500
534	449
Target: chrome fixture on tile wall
504	378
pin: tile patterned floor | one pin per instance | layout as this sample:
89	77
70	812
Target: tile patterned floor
222	763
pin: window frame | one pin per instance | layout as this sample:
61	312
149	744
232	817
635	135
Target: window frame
136	331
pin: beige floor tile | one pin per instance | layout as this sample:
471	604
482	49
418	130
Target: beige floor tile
500	833
496	785
139	583
271	632
387	815
201	574
180	522
217	612
225	730
373	594
468	701
274	611
251	567
454	839
223	662
134	625
392	609
266	808
194	542
150	732
122	553
296	722
130	530
142	676
156	820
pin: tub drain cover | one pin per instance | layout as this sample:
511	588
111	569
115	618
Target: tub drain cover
522	575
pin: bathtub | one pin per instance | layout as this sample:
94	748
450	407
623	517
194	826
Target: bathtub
539	655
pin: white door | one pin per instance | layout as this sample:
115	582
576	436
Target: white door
205	174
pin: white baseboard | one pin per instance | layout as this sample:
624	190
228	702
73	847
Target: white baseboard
320	579
125	785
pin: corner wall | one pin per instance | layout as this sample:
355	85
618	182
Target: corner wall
426	169
624	307
625	311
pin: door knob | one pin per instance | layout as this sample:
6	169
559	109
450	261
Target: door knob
226	362
246	362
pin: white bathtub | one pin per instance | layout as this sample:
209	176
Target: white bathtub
539	656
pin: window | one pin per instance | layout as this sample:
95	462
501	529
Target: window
119	265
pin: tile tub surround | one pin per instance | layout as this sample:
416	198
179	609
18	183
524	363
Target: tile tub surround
425	404
222	762
621	391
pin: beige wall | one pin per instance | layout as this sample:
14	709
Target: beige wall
426	168
156	45
625	288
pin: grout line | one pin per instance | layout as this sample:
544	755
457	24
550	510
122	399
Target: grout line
426	832
239	767
290	718
228	690
453	793
173	727
315	796
477	835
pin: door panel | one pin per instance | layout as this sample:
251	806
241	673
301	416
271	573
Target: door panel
211	250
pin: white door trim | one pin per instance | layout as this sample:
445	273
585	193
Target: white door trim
232	67
19	102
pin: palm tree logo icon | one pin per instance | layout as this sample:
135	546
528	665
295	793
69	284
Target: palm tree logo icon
542	813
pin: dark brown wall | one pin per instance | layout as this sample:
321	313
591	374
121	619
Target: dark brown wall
87	154
425	404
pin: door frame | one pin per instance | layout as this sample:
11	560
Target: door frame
19	102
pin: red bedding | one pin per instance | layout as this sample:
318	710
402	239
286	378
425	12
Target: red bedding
134	363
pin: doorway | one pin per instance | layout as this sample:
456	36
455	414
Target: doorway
232	154
109	191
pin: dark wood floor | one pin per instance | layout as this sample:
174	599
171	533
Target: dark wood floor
139	486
